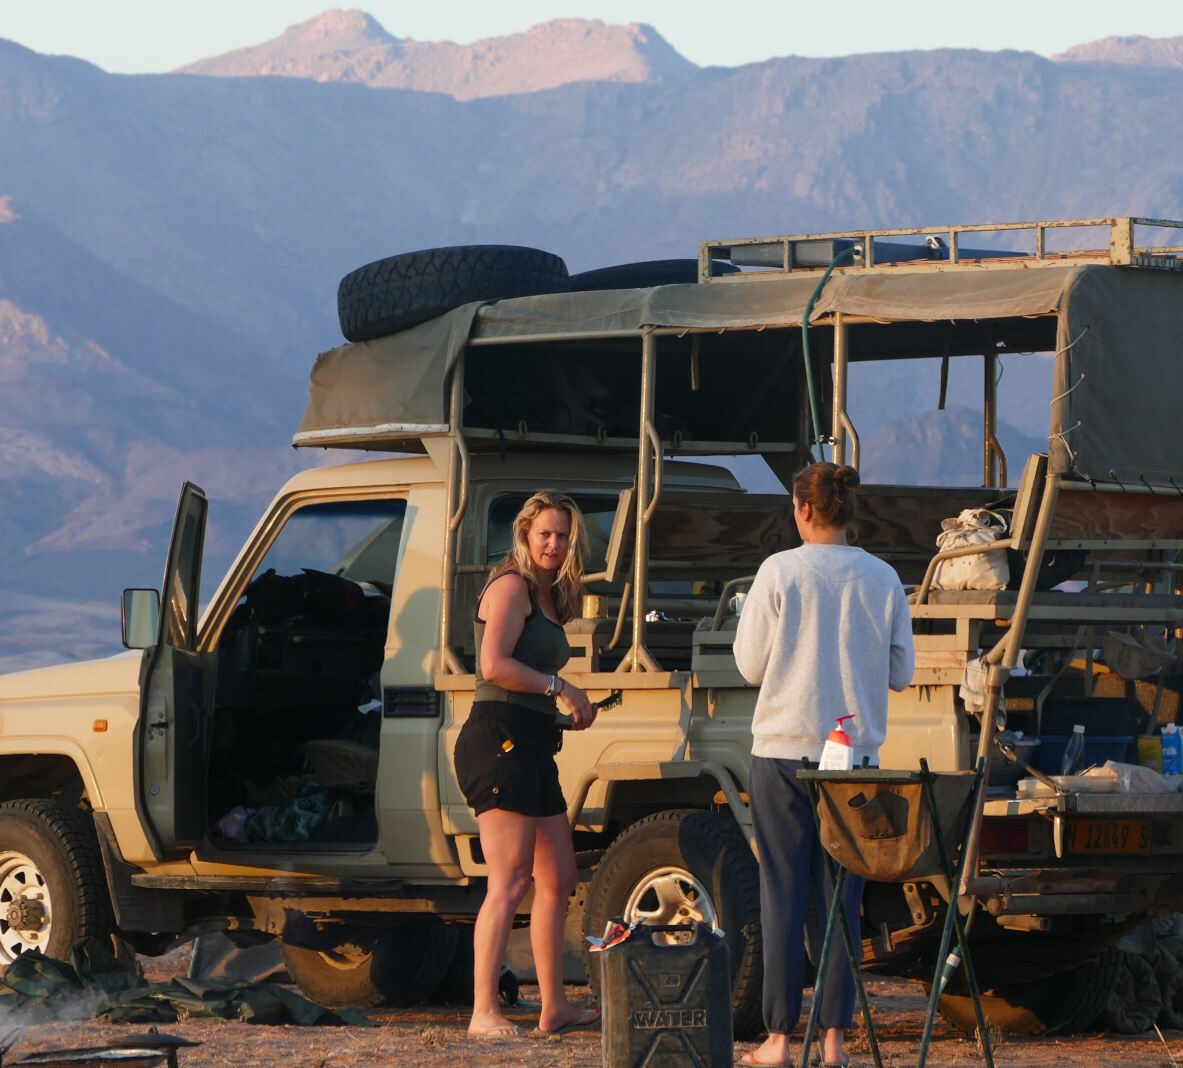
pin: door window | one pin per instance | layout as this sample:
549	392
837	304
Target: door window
356	540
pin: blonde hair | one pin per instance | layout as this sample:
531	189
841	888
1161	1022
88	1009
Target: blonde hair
567	588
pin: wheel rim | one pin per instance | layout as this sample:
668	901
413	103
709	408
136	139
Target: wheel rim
669	896
26	912
347	957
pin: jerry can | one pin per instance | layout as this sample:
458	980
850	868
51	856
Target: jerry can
666	999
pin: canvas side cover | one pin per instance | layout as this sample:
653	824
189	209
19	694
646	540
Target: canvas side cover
1118	378
388	389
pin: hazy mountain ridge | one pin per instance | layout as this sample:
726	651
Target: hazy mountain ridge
1142	51
170	245
938	448
350	46
93	445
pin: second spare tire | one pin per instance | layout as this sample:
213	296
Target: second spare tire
401	291
646	273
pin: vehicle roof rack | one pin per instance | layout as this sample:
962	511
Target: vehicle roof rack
941	248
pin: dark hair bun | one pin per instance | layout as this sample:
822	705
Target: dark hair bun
846	478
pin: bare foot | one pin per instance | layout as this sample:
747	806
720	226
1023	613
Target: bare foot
773	1052
833	1046
568	1018
492	1025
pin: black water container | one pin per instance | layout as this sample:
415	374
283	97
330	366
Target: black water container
666	995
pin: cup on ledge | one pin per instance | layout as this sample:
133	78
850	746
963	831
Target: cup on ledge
594	606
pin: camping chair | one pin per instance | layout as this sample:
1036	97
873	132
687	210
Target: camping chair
895	827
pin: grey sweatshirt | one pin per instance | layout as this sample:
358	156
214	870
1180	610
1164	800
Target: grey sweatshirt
825	631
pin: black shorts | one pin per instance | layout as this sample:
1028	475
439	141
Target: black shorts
505	758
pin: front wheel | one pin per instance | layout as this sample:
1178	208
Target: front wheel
53	890
685	867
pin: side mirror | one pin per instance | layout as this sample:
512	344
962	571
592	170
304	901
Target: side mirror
140	610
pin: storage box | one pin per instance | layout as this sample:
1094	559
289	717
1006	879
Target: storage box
1097	749
1150	752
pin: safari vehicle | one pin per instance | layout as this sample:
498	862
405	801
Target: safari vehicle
279	765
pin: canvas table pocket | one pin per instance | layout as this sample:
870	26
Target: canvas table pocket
883	831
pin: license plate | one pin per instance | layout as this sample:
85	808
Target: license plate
1108	836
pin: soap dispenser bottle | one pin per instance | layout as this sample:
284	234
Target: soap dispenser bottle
838	753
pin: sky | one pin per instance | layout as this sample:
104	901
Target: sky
139	36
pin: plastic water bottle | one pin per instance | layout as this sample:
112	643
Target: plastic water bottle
1074	750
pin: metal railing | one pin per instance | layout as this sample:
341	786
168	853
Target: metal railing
942	247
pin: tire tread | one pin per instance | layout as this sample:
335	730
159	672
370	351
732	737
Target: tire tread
644	274
1050	1005
401	291
73	831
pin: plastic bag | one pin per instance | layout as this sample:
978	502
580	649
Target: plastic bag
293	820
977	571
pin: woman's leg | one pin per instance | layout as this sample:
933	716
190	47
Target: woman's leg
836	1011
554	879
507	841
783	823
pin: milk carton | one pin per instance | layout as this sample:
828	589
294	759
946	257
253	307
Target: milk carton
1172	750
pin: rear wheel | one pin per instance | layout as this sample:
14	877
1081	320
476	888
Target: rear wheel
685	867
1136	1000
1058	1004
53	890
396	966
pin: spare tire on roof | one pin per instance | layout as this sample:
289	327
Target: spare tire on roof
400	291
646	273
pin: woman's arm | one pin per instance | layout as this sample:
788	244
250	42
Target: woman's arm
903	649
757	628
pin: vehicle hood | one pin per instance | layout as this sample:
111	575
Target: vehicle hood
115	674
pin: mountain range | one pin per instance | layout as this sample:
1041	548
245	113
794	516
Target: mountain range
350	46
170	244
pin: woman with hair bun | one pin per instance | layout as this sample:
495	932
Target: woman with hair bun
505	757
825	631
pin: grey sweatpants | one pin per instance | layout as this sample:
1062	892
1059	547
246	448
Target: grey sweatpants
792	876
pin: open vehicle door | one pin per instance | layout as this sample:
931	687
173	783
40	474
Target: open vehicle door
172	732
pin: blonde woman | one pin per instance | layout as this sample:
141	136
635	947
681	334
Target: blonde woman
505	757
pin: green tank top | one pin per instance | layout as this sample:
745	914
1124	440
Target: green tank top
542	646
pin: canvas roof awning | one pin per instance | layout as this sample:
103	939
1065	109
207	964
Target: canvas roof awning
1111	417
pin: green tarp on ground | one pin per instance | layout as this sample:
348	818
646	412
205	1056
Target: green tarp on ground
92	983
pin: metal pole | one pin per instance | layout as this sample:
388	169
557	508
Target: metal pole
1003	657
989	402
456	500
638	658
839	420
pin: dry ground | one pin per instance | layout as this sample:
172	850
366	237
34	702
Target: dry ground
434	1037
